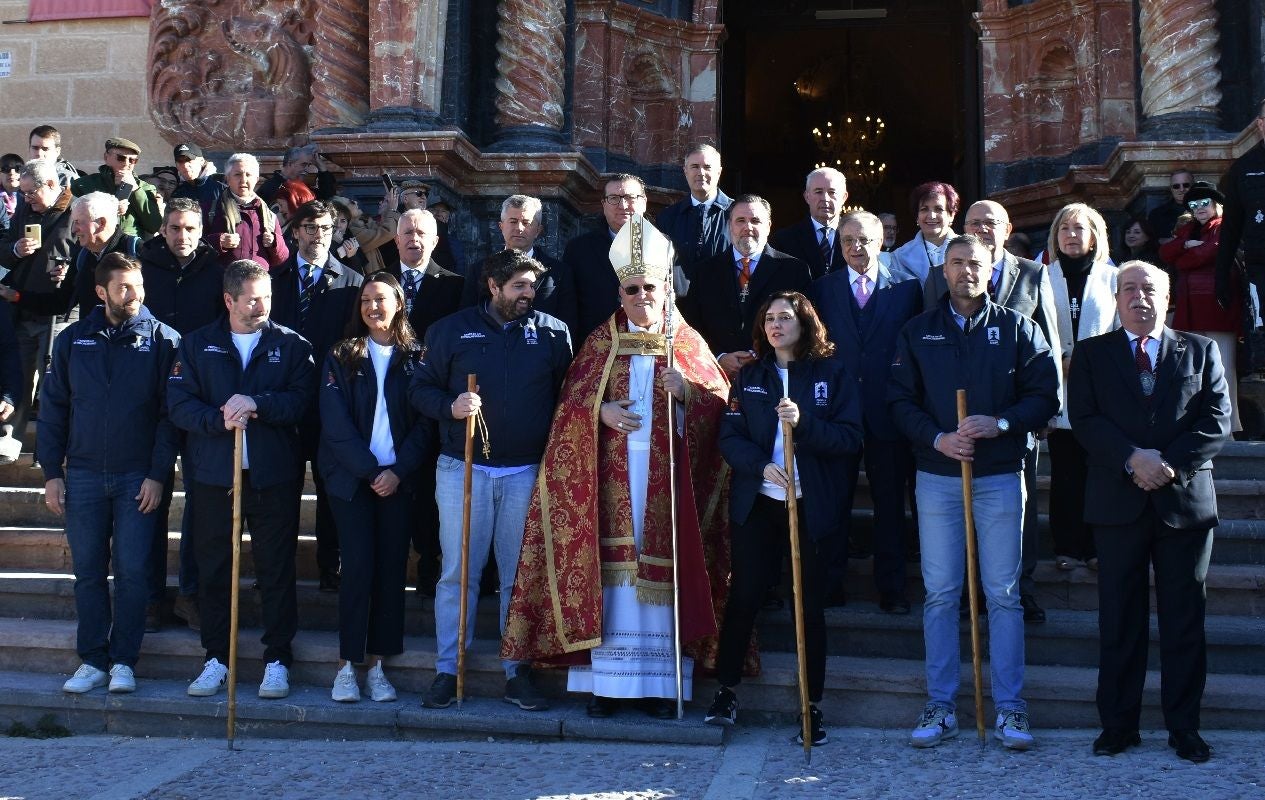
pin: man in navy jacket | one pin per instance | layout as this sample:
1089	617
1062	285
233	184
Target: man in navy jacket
107	478
520	357
244	371
1002	360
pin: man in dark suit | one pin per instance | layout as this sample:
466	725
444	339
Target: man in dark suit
1024	286
729	287
430	294
520	226
314	295
696	224
1151	407
588	255
815	240
864	311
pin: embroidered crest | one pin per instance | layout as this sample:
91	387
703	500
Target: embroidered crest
994	335
820	393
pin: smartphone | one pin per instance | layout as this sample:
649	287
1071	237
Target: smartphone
35	232
123	191
387	183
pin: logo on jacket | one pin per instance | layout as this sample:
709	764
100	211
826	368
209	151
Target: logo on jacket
735	405
1259	217
274	355
86	342
932	337
994	335
755	389
473	335
330	382
175	372
214	348
529	334
821	393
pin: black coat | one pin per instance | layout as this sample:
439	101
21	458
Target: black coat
1023	285
348	400
829	430
1187	419
865	340
279	376
691	241
440	296
596	288
713	306
186	298
801	240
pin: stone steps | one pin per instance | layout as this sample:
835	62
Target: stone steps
35	657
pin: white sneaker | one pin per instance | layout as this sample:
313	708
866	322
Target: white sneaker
380	689
346	690
122	679
1012	730
213	678
936	724
85	679
276	682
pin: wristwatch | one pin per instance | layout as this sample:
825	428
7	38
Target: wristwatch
1003	426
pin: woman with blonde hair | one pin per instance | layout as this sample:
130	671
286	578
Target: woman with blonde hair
1084	282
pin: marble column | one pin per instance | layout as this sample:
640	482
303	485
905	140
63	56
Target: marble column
530	75
340	72
406	63
1180	77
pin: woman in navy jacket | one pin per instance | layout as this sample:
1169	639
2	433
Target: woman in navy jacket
372	444
795	380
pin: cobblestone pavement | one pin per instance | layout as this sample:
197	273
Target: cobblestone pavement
754	763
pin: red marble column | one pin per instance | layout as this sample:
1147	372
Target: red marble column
530	81
1179	58
406	66
340	72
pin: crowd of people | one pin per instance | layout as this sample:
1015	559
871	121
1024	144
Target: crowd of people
628	401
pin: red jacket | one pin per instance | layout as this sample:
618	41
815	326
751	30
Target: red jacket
1195	294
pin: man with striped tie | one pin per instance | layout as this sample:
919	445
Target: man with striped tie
815	240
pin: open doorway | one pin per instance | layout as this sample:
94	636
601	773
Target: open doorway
790	68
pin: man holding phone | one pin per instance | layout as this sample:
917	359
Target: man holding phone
139	211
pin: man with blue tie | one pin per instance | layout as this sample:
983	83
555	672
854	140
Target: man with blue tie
314	295
864	310
696	224
1151	407
815	240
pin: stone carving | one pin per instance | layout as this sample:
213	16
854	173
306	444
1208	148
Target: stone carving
1179	56
1054	103
530	63
340	71
231	74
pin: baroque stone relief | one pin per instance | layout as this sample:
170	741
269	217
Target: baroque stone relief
232	73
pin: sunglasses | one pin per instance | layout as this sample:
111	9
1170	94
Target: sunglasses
633	291
1194	204
1180	185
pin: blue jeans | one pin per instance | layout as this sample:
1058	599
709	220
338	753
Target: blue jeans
998	506
103	525
498	510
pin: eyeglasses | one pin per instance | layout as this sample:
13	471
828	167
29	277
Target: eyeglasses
29	193
314	229
620	199
12	168
125	157
848	242
984	223
633	291
1180	185
1201	203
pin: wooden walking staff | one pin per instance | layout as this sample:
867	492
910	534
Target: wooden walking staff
471	386
238	445
972	580
797	583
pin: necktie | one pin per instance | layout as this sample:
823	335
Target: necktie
826	250
1146	373
410	289
699	242
862	292
305	293
744	277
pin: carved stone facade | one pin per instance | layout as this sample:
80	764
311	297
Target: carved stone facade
1180	75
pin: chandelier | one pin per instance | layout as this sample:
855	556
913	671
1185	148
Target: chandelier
848	147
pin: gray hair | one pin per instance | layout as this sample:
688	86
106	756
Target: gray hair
294	153
527	203
416	214
702	147
872	225
245	159
239	272
1157	274
829	172
42	172
99	205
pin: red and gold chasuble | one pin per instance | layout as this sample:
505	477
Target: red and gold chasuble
579	533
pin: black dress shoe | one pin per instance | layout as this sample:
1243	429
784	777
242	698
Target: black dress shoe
601	707
329	581
894	605
658	707
1031	611
1190	746
1115	740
